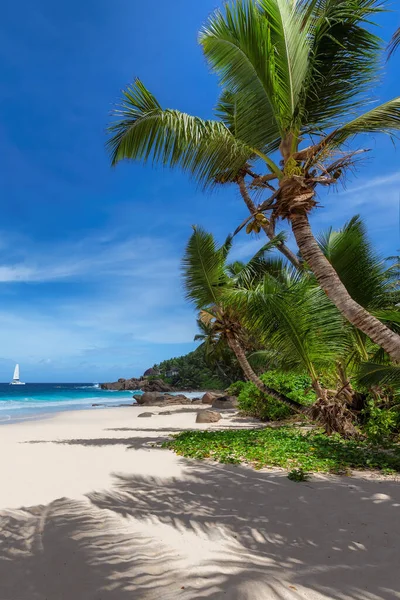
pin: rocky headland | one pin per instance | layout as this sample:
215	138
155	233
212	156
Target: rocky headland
143	384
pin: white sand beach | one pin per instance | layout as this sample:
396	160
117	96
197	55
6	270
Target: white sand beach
90	510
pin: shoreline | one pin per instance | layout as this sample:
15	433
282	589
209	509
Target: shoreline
45	410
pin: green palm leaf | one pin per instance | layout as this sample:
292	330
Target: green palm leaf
373	374
259	52
381	119
394	43
203	267
295	320
359	267
344	59
144	131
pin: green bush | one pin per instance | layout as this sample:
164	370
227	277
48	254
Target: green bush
380	423
256	404
298	475
235	388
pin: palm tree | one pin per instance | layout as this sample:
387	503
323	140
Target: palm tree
302	331
296	77
217	353
207	279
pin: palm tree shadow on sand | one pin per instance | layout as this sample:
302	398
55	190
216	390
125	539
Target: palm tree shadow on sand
218	532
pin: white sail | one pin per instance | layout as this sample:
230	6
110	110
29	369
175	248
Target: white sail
16	380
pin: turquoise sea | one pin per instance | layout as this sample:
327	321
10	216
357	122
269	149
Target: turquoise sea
36	400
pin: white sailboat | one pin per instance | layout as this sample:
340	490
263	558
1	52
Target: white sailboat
16	380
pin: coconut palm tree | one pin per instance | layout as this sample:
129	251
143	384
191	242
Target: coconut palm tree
217	353
296	78
302	331
207	279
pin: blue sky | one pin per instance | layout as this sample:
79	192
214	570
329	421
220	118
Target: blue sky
89	255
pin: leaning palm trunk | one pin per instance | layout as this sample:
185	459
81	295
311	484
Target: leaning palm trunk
329	281
251	376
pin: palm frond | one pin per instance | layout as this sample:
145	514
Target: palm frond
394	43
360	268
259	52
144	131
261	264
374	374
384	118
344	59
295	319
203	270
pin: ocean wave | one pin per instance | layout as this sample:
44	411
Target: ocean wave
32	403
94	386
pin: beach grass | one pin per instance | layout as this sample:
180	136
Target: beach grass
288	448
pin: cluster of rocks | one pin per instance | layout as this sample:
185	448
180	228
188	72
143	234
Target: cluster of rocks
152	385
161	399
157	399
213	399
218	400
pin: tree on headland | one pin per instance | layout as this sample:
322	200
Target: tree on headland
296	79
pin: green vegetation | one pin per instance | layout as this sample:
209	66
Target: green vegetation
255	403
381	423
195	371
286	447
298	475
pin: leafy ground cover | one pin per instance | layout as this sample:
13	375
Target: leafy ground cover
286	447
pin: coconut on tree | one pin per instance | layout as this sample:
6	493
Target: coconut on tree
296	80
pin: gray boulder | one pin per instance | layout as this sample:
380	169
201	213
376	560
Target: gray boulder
157	399
208	416
225	402
146	414
209	397
154	385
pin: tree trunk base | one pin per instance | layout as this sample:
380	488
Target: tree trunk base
335	416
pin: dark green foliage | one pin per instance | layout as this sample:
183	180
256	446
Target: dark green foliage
235	388
298	475
370	283
196	373
286	447
256	404
381	422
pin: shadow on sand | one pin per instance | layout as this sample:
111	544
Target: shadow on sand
246	536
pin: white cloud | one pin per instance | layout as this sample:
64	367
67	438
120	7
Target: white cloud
91	257
117	293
